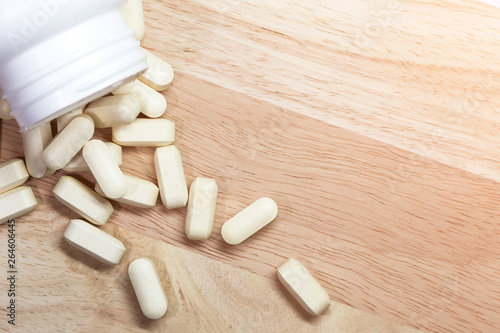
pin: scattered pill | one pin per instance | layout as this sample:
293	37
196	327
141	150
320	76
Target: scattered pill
94	242
105	169
15	203
170	175
148	288
140	193
153	104
82	200
249	221
303	287
45	154
145	132
201	208
13	173
159	75
64	120
4	109
69	142
113	110
78	164
34	142
133	12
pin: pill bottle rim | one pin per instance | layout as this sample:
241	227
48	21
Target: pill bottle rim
70	69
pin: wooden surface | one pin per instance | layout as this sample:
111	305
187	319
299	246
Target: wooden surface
61	289
373	124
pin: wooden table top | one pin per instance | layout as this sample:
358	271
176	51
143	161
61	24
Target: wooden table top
375	125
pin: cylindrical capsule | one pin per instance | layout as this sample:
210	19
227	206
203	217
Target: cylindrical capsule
249	221
114	111
68	143
34	143
4	109
159	75
140	193
201	208
145	132
78	164
82	200
66	118
13	173
17	202
105	169
171	178
133	12
303	287
95	242
153	104
148	288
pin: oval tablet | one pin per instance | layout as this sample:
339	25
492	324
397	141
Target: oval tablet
201	208
303	287
13	173
140	193
78	164
170	175
249	221
15	203
153	104
94	242
82	200
145	132
68	143
105	169
114	110
34	142
159	75
148	288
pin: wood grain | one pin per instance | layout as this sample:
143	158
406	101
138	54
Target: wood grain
374	126
61	289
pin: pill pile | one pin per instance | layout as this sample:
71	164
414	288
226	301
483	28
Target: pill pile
73	149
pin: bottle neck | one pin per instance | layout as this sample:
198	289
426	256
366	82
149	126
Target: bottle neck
70	69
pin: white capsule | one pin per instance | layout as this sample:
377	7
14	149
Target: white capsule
4	109
78	164
94	242
249	221
114	110
34	142
106	171
148	288
65	119
159	75
13	173
145	132
69	142
133	13
201	208
153	104
303	287
170	175
82	200
15	203
140	193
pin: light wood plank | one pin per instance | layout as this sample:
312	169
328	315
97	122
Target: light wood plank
61	289
415	75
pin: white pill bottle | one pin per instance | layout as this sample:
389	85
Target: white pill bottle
57	55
